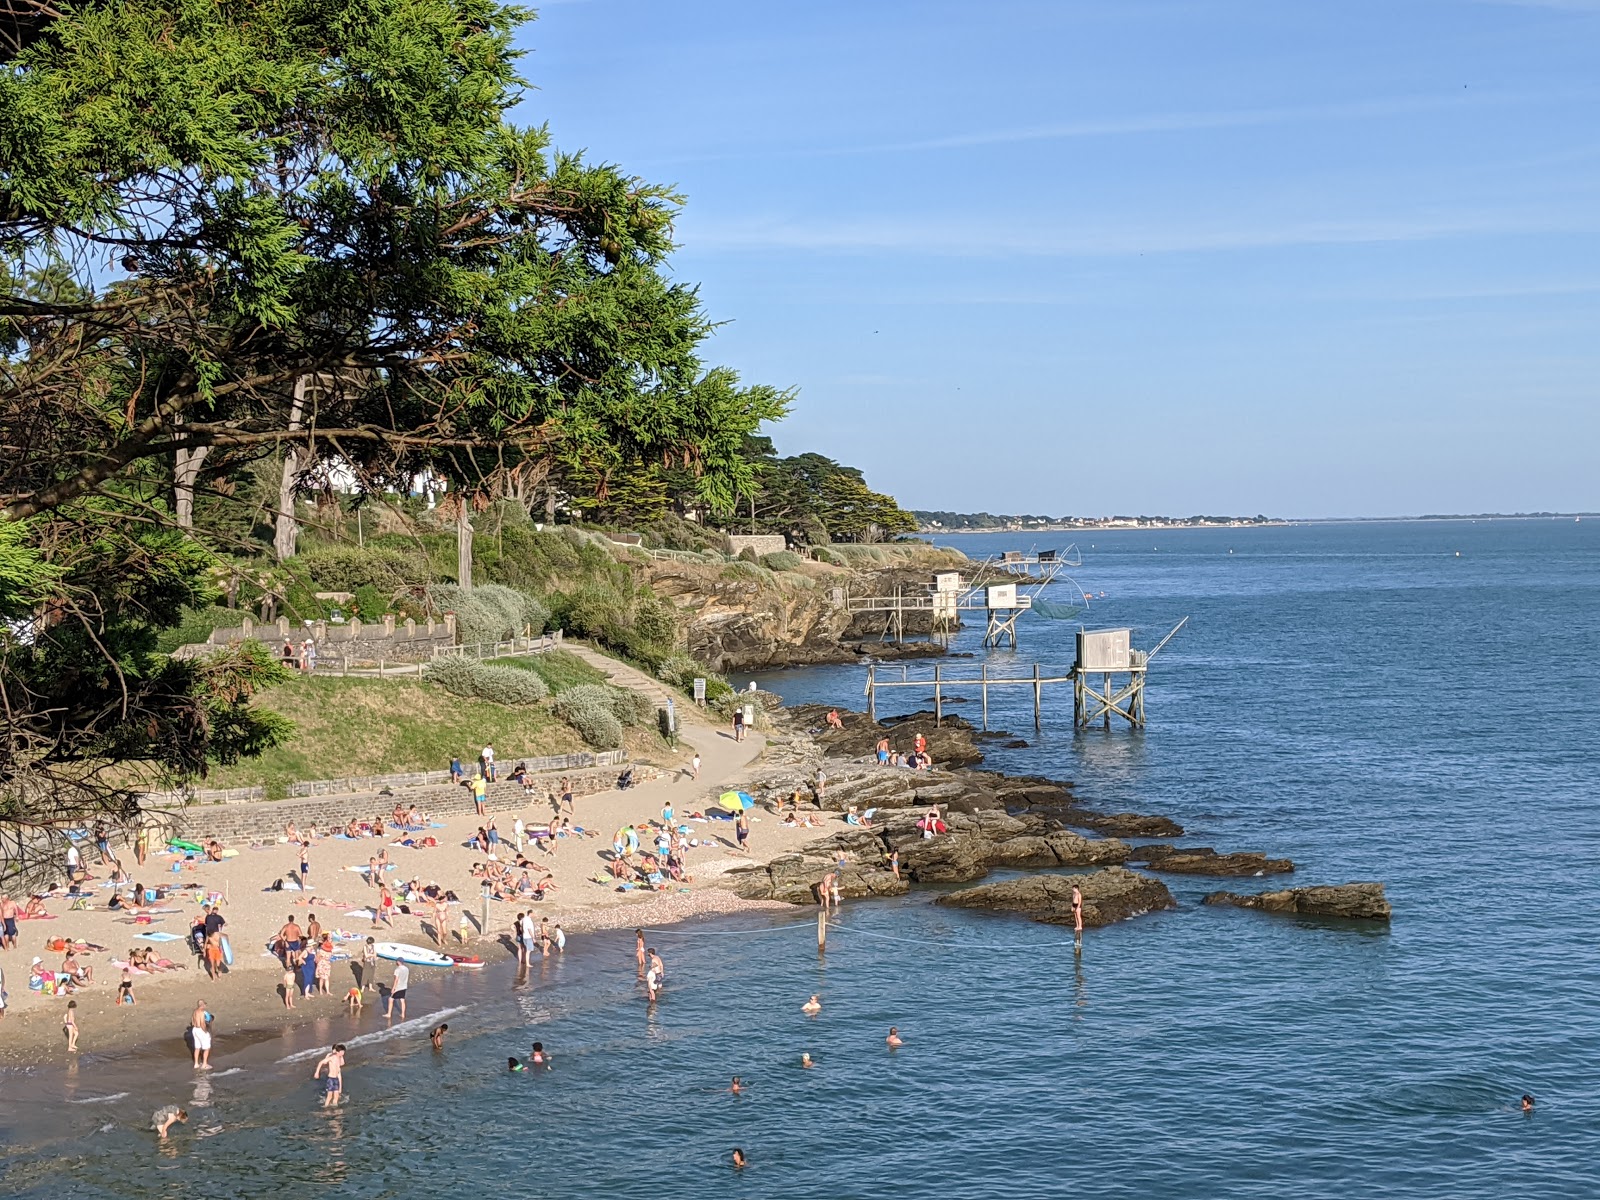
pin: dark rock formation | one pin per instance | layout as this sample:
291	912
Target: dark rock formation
974	844
1203	860
1122	824
1114	894
1355	901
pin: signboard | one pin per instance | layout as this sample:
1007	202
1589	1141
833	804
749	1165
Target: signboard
1104	649
699	691
1002	595
947	581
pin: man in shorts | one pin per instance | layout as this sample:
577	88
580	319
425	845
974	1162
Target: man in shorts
200	1036
333	1063
397	990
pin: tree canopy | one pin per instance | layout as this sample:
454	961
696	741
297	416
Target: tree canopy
302	229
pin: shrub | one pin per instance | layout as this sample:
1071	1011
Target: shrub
588	709
782	560
747	555
633	708
485	681
679	670
628	707
489	613
653	620
195	625
349	568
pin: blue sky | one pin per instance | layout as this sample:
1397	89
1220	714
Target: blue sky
1301	257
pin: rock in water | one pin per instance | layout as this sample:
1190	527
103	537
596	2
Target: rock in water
1203	860
1114	894
1356	901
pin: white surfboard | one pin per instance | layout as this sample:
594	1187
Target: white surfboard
416	956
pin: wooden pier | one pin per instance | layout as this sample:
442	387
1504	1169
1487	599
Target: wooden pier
943	682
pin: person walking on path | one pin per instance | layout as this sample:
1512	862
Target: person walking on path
486	761
694	766
738	724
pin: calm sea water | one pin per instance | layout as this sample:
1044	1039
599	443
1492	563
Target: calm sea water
1355	696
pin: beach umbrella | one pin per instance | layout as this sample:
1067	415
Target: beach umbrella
735	802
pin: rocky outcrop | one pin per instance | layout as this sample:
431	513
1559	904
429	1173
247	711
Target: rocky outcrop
975	844
1115	894
1203	860
737	617
1353	901
951	743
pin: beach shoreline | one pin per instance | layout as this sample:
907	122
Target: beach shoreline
247	999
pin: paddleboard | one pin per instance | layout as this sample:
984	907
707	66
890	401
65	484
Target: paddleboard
189	846
227	951
465	960
416	956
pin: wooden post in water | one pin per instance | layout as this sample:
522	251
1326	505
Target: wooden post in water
938	699
1036	696
872	698
986	697
822	925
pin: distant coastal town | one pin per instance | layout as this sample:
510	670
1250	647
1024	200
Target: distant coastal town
983	522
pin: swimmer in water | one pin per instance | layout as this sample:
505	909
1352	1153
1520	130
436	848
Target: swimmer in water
514	1065
436	1036
805	1059
813	1005
738	1157
736	1087
894	1038
1527	1103
539	1058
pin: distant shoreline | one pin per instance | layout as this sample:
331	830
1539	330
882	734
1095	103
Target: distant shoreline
1165	523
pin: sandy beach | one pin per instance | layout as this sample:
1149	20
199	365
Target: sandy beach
247	998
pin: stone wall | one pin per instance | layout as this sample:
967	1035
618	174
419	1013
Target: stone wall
761	543
244	824
357	640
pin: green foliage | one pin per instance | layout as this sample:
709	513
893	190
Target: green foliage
384	571
588	709
489	612
195	625
782	560
560	669
486	681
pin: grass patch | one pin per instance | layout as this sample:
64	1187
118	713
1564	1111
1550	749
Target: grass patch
559	669
349	727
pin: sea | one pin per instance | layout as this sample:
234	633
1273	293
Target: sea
1416	703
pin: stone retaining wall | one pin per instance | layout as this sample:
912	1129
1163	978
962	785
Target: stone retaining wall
243	824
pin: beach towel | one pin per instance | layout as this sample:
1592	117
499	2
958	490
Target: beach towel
159	936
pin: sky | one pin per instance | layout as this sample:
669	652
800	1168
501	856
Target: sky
1296	257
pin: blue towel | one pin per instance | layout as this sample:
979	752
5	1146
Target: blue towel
159	937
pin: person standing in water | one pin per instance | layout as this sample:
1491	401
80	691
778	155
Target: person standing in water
638	948
200	1036
893	1039
333	1063
1077	919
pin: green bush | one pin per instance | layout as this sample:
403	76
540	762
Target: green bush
748	555
653	620
782	560
633	708
370	602
588	709
491	612
195	625
679	670
350	568
485	681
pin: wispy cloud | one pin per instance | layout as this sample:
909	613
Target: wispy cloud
1027	237
1138	124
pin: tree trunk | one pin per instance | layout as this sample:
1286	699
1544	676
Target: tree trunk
463	545
287	531
185	470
